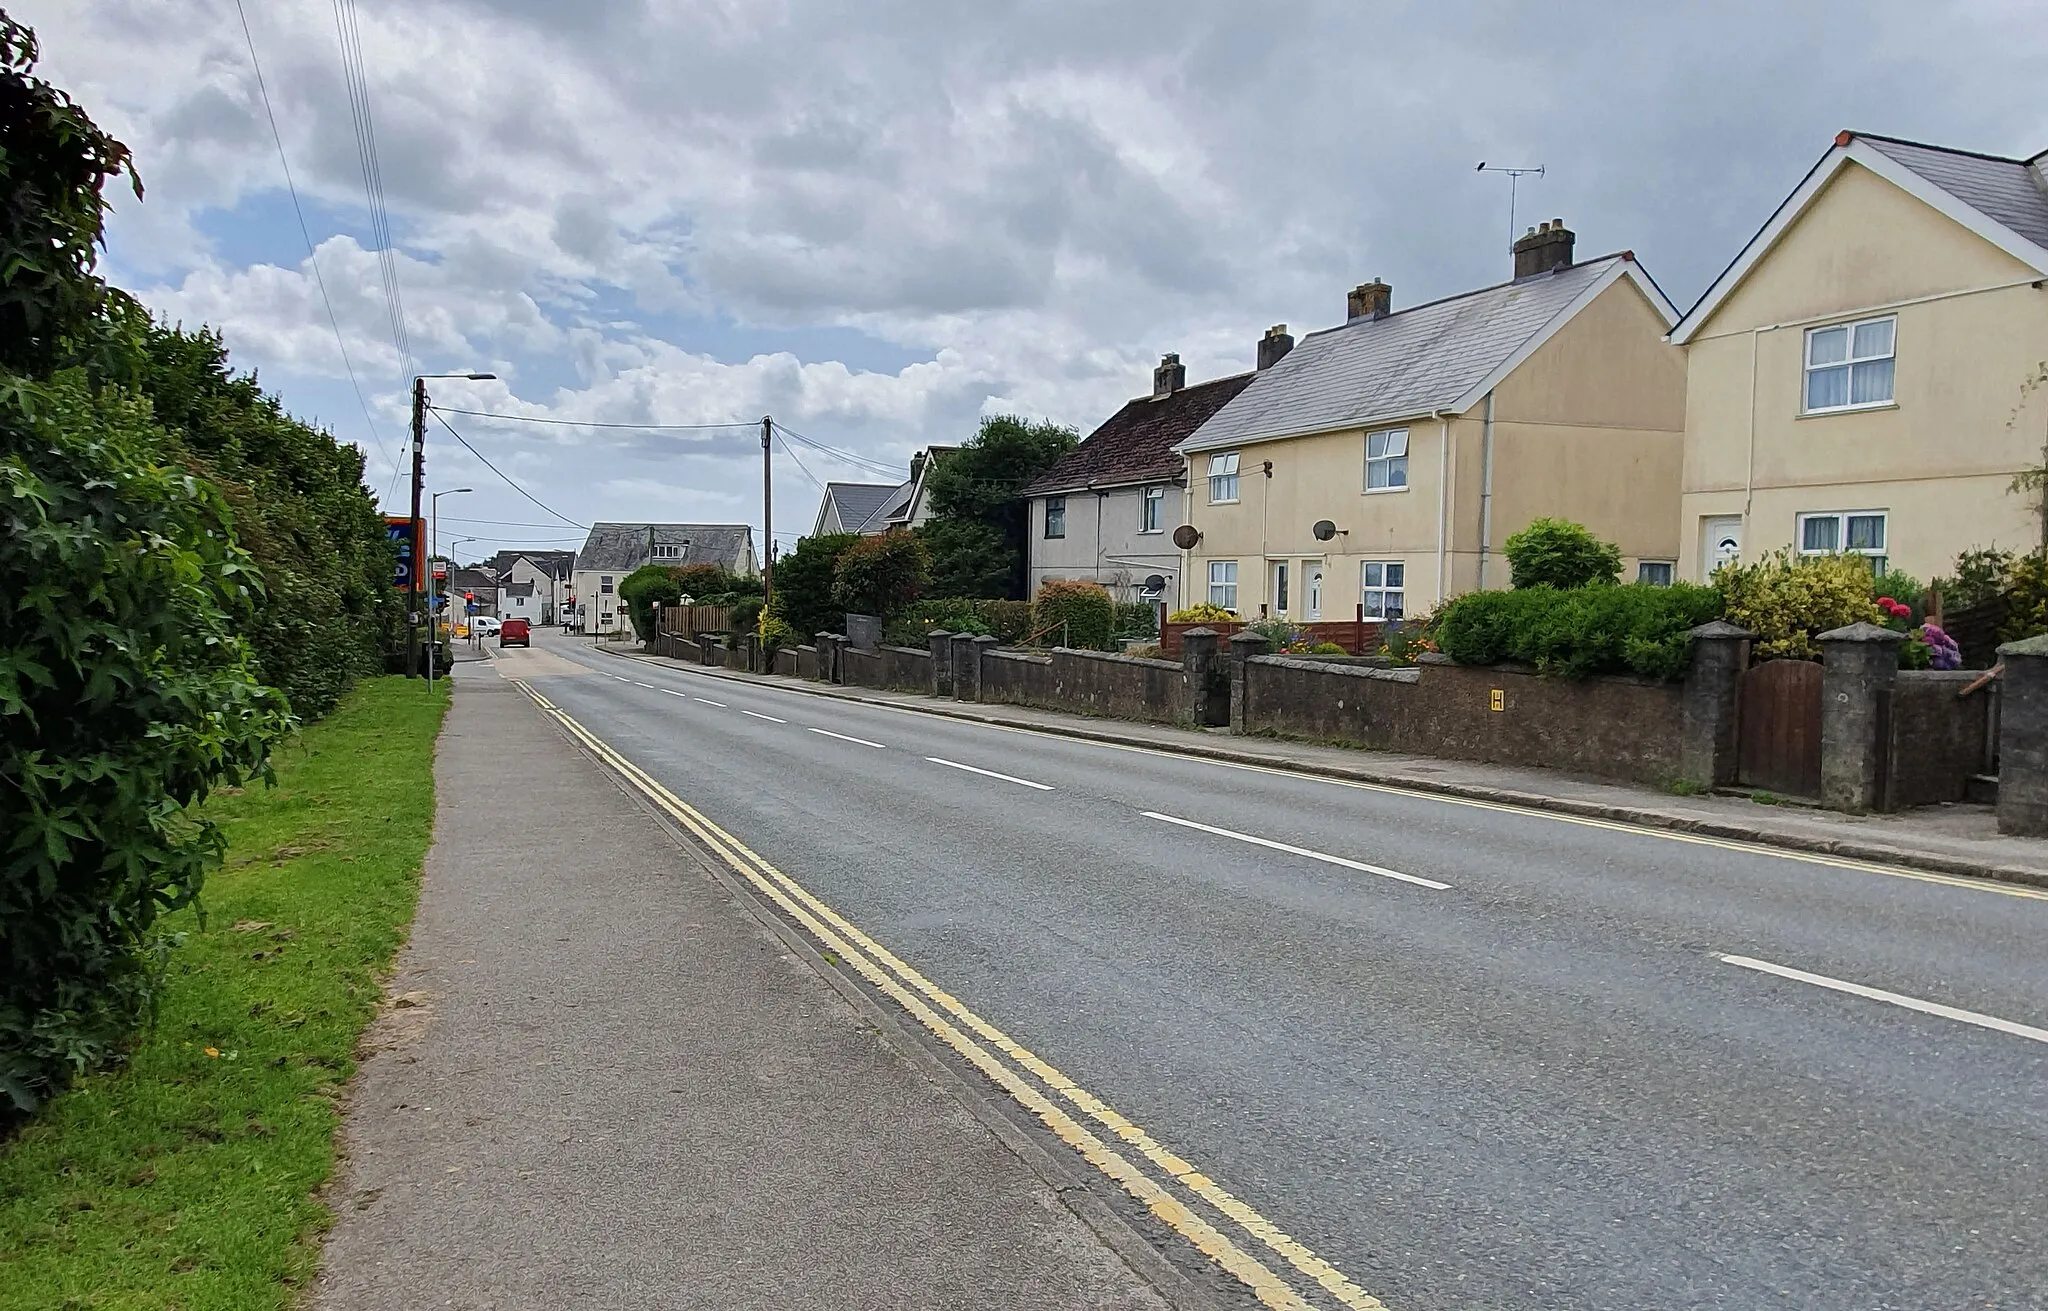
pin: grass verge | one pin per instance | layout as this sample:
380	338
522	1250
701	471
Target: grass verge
187	1178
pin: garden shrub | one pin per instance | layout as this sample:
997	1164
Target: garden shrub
1073	613
1559	553
641	589
2027	598
1204	613
702	582
777	634
1981	575
1327	648
1903	588
1786	600
1137	619
803	585
1623	628
1287	638
881	575
127	693
746	614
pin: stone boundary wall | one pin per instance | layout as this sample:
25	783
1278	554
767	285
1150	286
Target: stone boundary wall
1937	740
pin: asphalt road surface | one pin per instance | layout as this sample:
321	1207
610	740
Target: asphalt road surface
1471	1057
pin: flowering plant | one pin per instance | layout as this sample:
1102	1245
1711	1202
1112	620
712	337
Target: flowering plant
1942	650
1896	615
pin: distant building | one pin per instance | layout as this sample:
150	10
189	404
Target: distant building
548	571
847	507
614	550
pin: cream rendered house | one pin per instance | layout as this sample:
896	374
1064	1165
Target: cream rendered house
1423	438
1857	379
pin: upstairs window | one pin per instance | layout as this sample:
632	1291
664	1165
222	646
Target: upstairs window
1223	478
667	551
1152	510
1055	516
1849	365
1386	460
604	584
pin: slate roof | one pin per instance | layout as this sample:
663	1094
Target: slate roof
1135	445
524	591
552	563
891	508
2005	190
622	547
1409	363
856	503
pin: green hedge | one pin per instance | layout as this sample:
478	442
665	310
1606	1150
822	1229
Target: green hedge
1008	620
1073	613
1631	628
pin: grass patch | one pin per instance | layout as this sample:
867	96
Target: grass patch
186	1179
1680	786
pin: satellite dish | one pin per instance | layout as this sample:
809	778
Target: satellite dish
1155	582
1186	536
1324	530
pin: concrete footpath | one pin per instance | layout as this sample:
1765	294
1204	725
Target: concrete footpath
1959	839
603	1082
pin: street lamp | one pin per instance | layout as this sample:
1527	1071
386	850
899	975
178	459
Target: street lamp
419	477
433	622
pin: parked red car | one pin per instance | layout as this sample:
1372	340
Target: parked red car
515	632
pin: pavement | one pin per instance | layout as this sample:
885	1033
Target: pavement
605	1080
1399	1046
1959	839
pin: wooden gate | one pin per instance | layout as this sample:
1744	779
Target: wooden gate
1778	723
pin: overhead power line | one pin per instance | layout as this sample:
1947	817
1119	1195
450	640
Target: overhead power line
791	453
312	257
844	456
592	423
507	477
497	523
349	34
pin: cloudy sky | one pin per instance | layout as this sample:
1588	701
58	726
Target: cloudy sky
878	221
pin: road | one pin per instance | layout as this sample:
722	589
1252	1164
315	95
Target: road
1472	1057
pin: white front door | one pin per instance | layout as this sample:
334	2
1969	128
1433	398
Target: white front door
1720	543
1312	590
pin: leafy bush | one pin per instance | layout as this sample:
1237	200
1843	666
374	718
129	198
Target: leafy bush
977	533
970	558
1074	613
1559	553
127	693
1327	648
1575	632
702	581
1137	619
1903	588
1287	638
1980	575
776	634
1203	613
803	585
641	589
881	575
746	614
2027	594
1786	600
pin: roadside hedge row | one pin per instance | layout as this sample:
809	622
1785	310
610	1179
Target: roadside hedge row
1632	628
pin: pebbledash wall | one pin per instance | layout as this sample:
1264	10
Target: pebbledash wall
1902	738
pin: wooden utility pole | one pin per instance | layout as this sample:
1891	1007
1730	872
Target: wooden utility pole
419	478
767	512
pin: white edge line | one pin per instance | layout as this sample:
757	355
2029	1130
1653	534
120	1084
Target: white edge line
758	715
719	704
1360	865
990	773
1897	999
844	738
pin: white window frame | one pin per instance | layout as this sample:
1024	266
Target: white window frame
1395	462
604	584
1848	362
1384	589
1223	477
1055	505
1879	555
1152	510
1223	584
1282	584
667	551
1670	568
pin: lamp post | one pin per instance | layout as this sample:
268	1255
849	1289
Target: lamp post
419	477
433	622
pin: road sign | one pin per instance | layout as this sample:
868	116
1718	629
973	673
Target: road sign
405	534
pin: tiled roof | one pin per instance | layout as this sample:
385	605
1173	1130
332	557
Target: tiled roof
555	564
890	509
1136	443
623	546
1408	363
2005	190
857	502
519	590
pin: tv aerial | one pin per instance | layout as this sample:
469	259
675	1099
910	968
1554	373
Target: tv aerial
1515	176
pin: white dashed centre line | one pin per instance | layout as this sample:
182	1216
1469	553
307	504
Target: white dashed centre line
719	704
758	715
990	773
649	686
1977	1018
1325	857
860	741
672	692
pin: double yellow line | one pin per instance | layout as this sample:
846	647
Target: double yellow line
973	1037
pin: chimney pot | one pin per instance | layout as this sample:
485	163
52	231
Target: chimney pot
1369	300
1543	249
1273	347
1169	377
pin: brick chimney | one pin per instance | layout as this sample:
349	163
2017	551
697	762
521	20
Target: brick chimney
1369	300
1543	248
1169	377
1273	347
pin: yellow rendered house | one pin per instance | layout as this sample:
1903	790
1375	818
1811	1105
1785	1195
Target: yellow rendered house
1378	466
1872	370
